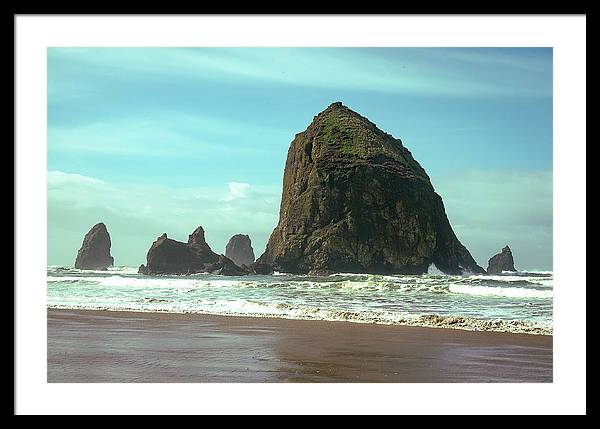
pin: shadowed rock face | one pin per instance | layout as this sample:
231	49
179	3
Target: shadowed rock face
502	261
355	200
239	250
167	256
226	267
260	268
94	253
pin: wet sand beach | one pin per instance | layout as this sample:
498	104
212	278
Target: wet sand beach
108	346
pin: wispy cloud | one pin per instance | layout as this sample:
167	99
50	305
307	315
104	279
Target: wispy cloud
58	179
137	214
171	134
512	58
408	71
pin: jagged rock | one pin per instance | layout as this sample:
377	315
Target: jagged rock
502	261
355	200
168	256
239	250
94	253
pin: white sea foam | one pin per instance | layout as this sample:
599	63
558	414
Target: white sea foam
544	281
245	308
513	303
277	273
347	275
512	292
433	270
57	279
53	269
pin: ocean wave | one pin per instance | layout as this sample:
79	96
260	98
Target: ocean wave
477	302
474	285
509	292
499	279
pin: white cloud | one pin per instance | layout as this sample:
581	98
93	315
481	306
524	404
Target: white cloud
57	179
236	190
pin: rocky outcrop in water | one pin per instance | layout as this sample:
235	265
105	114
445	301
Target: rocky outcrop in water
94	253
502	261
226	267
355	200
239	250
168	256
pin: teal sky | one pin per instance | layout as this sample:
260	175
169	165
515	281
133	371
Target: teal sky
163	140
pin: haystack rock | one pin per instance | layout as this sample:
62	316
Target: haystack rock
502	261
355	200
239	250
94	253
168	256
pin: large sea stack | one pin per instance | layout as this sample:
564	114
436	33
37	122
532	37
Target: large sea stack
502	261
94	253
355	200
239	250
168	256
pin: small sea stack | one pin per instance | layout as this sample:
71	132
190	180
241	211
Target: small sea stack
239	250
502	261
168	256
94	253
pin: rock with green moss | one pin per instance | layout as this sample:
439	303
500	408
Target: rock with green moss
355	200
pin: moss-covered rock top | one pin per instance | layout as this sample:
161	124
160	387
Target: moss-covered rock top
340	135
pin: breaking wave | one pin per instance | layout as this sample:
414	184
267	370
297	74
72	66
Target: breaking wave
513	292
508	303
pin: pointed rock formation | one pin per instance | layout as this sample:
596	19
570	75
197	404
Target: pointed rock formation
239	250
167	256
94	253
502	261
355	200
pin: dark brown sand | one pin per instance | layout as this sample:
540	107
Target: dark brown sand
103	346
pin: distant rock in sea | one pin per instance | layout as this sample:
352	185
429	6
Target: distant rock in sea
355	200
239	250
502	261
94	253
168	256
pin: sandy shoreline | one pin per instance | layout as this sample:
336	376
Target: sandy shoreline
107	346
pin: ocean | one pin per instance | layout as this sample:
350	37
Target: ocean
512	302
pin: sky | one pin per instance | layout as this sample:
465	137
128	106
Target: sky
153	140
